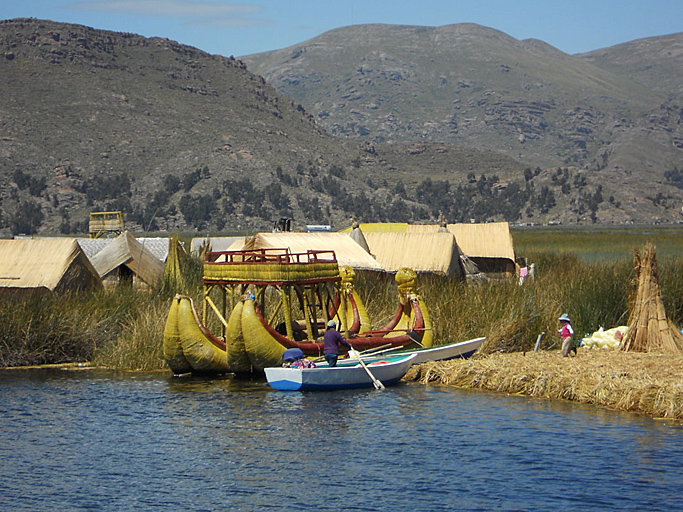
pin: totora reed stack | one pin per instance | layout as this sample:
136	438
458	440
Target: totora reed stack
649	329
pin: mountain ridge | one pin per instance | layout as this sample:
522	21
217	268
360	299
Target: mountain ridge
181	139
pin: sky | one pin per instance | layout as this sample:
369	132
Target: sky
241	28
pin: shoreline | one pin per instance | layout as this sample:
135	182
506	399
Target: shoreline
646	383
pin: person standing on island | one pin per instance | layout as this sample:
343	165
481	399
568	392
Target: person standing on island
332	341
566	333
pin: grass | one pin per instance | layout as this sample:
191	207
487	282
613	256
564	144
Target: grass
123	328
118	328
601	243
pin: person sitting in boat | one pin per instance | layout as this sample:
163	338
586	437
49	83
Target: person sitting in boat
294	358
333	339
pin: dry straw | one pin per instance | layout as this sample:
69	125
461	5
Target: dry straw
647	383
649	329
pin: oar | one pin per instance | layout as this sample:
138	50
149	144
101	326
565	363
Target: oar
378	385
375	349
370	351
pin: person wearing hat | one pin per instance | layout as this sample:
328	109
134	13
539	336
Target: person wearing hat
332	341
566	332
294	358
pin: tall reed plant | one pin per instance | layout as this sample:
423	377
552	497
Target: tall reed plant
511	316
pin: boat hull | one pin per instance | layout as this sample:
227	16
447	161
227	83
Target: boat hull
201	349
388	372
172	348
460	349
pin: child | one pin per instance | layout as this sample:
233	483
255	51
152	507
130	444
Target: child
566	332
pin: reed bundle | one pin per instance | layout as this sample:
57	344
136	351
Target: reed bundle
649	329
647	383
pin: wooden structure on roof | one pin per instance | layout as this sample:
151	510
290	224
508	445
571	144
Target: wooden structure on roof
50	264
348	253
105	224
128	261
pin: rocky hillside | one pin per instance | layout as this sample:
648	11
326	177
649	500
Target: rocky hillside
615	113
176	138
179	139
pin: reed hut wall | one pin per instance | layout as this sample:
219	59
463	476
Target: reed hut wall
348	252
51	264
423	252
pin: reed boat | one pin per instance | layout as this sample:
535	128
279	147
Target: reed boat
280	300
388	371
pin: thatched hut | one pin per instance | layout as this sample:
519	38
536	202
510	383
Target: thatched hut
489	246
348	252
158	246
127	261
48	264
423	252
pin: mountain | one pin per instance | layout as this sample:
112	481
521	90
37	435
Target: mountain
176	138
615	113
655	62
179	139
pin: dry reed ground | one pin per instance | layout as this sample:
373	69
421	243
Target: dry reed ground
646	383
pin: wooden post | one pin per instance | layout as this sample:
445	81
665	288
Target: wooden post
286	302
225	307
307	315
206	293
342	311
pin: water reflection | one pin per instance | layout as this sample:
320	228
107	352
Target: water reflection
117	441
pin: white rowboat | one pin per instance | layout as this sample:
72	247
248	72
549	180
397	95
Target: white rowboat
388	370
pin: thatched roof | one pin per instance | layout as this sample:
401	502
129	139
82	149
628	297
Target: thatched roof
378	227
92	246
357	236
489	240
156	245
217	243
347	251
56	264
125	250
423	252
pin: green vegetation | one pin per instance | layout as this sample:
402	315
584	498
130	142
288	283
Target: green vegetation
599	243
123	327
118	328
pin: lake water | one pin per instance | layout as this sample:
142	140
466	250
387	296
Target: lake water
94	440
